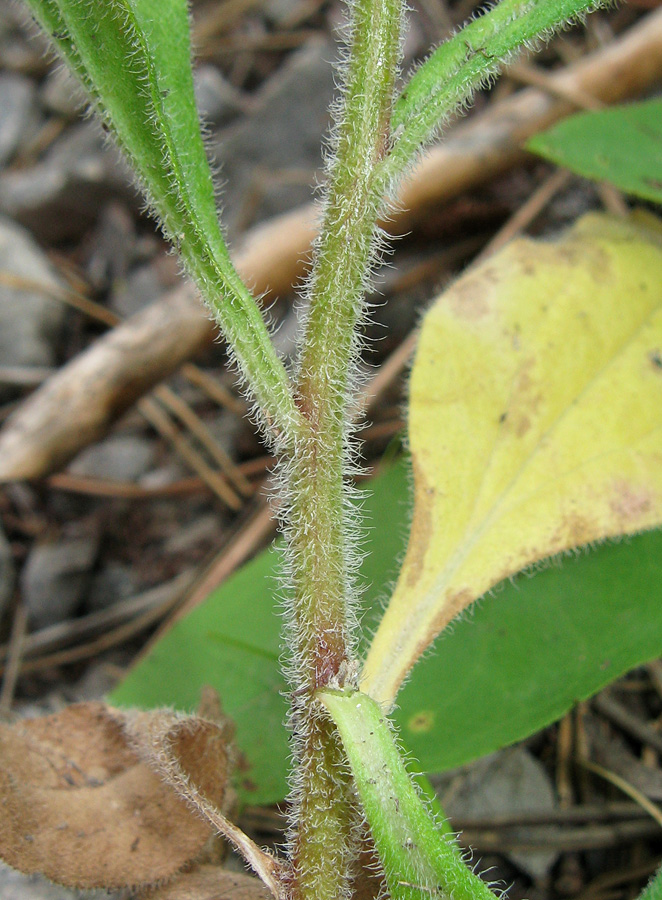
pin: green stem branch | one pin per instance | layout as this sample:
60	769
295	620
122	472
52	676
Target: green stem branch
420	858
457	68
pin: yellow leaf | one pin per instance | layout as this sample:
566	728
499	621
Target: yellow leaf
535	423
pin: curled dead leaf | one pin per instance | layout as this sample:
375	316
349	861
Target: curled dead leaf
182	751
82	807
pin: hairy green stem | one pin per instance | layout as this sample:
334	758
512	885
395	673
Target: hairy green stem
448	78
322	531
420	858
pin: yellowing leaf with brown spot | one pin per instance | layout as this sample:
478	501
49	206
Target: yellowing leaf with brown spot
535	423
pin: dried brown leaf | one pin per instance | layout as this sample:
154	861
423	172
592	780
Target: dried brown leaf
209	883
178	751
82	807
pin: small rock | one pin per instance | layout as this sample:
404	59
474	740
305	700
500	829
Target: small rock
217	100
224	427
30	320
62	94
7	572
18	51
59	198
113	583
142	287
508	782
112	247
17	111
98	680
15	886
284	133
206	529
55	578
278	12
121	457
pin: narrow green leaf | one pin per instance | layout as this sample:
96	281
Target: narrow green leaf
133	57
448	78
419	859
621	145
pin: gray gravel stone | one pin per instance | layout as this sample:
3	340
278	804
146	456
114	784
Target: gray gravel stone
15	886
60	197
55	578
30	320
113	583
17	111
278	12
508	782
281	137
217	100
121	457
113	247
141	287
62	94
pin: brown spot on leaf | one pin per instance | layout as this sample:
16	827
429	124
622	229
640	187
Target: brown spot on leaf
421	722
521	425
575	530
452	607
629	503
587	255
421	525
468	298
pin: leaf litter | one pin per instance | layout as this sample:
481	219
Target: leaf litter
85	801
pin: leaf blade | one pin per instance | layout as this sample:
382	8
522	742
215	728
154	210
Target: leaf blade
540	431
532	650
508	674
621	145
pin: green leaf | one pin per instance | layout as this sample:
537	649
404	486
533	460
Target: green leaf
133	57
535	423
419	858
529	652
621	145
522	658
